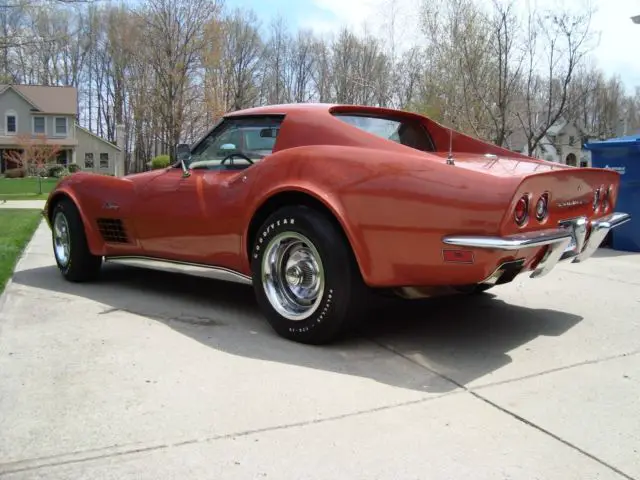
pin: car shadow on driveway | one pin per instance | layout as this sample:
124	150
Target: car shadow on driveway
460	337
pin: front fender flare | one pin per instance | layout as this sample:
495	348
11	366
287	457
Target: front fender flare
94	240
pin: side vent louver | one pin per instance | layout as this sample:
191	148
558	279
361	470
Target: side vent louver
112	230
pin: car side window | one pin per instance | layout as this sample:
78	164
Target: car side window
254	138
213	148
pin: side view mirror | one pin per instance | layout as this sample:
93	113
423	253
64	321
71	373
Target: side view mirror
227	146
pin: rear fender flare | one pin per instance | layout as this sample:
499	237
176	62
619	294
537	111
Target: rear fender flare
332	207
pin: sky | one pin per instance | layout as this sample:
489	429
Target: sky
614	53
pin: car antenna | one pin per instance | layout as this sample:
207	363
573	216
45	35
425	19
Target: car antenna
450	156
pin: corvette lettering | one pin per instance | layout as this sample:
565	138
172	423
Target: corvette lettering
570	203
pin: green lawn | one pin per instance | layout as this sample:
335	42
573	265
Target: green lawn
16	229
25	188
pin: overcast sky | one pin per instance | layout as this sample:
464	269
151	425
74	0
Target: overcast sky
616	52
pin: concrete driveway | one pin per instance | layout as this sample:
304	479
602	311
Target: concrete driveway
154	376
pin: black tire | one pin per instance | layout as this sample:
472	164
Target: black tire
339	307
82	265
476	289
481	288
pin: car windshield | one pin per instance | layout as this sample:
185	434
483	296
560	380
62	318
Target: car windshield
406	132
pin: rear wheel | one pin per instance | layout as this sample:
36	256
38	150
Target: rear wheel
75	261
305	277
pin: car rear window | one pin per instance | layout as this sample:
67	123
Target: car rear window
406	132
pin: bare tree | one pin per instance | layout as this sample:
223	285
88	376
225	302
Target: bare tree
558	42
276	72
174	43
234	53
322	72
501	70
168	69
301	65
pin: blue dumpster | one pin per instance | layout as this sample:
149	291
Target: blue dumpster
622	155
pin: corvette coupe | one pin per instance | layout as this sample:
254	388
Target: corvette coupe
318	205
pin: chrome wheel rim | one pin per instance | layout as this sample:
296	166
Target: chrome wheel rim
61	239
293	275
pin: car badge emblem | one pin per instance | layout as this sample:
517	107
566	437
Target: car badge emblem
570	203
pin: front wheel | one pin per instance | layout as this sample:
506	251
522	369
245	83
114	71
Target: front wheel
305	277
75	261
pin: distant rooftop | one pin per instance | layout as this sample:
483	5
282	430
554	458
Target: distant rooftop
48	98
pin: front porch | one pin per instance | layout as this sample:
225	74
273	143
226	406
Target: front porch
65	157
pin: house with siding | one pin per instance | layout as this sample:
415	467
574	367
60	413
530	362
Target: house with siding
52	111
562	143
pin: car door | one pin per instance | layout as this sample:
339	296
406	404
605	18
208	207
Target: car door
169	214
190	218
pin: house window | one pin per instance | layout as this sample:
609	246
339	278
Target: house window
11	122
88	160
61	126
104	160
572	140
38	125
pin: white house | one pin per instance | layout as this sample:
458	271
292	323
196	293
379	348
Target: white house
52	111
563	143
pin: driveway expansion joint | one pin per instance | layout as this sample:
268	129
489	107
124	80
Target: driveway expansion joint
513	414
559	369
38	463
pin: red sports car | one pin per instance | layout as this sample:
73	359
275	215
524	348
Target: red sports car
316	205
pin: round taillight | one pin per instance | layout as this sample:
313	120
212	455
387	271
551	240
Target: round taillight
542	207
520	213
596	199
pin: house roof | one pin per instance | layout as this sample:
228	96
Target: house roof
47	98
548	147
557	127
89	132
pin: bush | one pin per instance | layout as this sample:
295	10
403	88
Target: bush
54	171
74	167
63	173
161	161
14	173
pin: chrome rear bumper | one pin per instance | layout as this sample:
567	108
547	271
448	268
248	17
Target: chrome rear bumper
573	239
